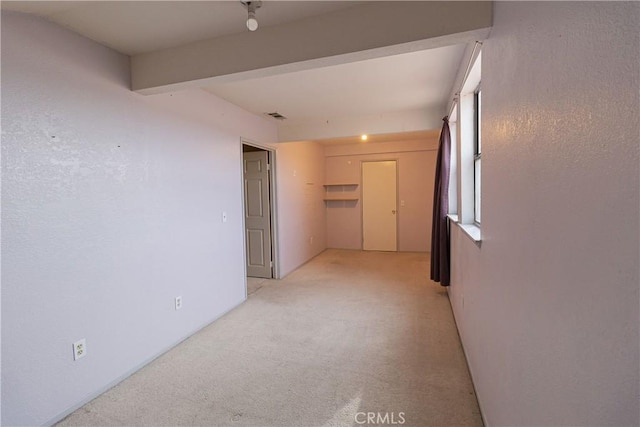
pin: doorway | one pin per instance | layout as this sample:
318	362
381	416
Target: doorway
379	206
259	215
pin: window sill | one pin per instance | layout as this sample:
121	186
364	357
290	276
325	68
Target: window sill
471	230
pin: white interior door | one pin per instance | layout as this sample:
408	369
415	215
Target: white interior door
379	206
257	213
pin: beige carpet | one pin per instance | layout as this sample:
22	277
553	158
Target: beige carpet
255	283
349	333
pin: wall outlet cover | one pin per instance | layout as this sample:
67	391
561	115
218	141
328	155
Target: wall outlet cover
178	303
79	349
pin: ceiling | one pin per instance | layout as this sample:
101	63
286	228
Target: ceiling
403	82
134	27
420	80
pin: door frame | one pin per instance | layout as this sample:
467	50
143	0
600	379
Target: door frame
275	251
391	159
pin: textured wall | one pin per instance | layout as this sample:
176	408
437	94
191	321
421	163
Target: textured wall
416	171
111	207
548	307
301	216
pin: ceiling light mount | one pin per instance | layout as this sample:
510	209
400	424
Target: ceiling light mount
252	22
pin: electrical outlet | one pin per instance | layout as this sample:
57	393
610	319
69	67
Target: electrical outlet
178	303
224	217
79	349
311	240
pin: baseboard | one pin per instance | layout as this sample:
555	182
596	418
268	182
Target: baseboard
466	359
132	371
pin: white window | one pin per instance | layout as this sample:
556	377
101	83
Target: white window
477	156
467	150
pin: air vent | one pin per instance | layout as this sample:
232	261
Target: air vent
276	115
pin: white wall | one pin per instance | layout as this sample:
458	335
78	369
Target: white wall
301	215
548	306
110	208
416	161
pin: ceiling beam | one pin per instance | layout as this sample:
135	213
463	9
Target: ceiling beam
361	32
375	124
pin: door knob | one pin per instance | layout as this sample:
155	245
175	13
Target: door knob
393	211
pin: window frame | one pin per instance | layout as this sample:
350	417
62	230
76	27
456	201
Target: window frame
468	148
477	155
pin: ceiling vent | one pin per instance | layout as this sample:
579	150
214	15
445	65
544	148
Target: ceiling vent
276	115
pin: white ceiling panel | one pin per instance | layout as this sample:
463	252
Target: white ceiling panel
395	83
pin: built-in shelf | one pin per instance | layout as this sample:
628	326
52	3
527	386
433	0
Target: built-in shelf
341	199
341	192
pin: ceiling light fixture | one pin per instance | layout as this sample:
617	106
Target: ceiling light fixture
252	22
